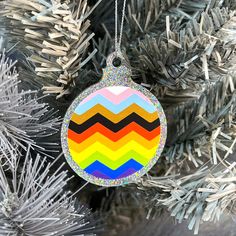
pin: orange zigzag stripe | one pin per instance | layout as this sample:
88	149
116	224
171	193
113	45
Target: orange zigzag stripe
97	137
115	118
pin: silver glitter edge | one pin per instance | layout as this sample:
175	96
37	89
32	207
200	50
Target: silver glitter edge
111	79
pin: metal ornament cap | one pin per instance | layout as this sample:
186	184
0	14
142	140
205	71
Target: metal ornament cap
115	131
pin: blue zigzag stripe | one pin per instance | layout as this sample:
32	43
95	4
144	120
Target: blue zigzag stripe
115	108
113	174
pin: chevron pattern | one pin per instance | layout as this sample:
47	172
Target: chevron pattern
114	132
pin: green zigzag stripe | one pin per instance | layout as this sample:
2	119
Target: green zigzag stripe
97	156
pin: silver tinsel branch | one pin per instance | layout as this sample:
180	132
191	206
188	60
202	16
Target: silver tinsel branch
56	33
202	196
211	128
204	117
143	16
24	118
175	59
33	201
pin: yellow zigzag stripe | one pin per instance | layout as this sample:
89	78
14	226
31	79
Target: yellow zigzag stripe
97	156
114	155
97	137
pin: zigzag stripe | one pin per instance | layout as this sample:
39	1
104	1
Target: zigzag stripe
98	174
97	137
115	98
114	136
114	126
113	146
79	119
114	155
97	166
115	108
107	160
128	172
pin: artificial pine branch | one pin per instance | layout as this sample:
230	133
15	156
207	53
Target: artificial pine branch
197	121
202	196
205	126
143	16
24	119
103	15
56	32
230	4
174	58
33	201
104	46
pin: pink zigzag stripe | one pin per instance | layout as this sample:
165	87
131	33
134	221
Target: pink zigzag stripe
115	98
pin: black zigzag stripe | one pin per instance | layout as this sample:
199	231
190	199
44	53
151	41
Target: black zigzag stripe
115	127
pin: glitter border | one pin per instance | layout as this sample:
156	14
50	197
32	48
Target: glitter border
109	81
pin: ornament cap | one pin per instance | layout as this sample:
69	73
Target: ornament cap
117	55
117	67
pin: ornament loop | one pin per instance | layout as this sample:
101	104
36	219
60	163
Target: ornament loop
117	67
117	56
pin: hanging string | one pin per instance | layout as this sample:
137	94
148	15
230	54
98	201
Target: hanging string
118	43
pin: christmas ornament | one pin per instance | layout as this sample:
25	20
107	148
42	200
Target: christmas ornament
114	132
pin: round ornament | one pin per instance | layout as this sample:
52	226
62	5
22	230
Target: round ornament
115	131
